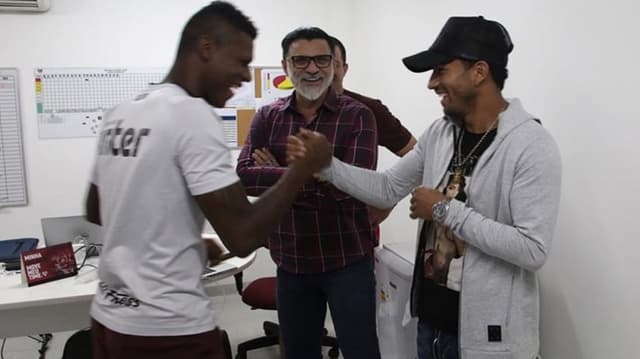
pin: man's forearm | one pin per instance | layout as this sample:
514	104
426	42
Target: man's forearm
366	185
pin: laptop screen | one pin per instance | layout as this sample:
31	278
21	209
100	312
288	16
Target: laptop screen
75	229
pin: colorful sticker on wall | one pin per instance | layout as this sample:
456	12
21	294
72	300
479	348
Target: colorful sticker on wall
282	82
275	84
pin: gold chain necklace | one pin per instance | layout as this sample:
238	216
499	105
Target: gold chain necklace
458	167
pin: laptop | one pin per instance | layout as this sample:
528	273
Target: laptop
74	229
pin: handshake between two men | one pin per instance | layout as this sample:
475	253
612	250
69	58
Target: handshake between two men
308	146
314	150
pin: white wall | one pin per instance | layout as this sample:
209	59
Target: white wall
574	65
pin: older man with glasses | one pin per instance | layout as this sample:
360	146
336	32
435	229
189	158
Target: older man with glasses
324	245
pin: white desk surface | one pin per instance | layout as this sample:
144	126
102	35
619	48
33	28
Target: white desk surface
64	304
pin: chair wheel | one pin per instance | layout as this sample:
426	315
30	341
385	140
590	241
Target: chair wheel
334	352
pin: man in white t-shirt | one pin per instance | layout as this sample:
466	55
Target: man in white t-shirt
161	168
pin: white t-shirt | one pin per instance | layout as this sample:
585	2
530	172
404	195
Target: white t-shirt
154	154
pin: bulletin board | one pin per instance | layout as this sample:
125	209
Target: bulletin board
71	102
13	185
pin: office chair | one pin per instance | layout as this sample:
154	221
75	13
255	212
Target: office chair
261	294
78	346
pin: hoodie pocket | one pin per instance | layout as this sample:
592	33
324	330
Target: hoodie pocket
484	354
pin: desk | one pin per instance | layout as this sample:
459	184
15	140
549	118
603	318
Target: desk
64	304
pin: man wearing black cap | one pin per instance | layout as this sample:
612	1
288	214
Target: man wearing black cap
474	288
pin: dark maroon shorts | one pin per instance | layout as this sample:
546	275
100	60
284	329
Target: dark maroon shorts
108	344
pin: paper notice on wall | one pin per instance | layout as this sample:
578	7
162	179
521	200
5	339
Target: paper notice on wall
13	185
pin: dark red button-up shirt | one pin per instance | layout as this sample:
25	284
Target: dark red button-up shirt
325	229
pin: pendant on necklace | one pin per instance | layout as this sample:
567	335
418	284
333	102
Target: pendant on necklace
457	176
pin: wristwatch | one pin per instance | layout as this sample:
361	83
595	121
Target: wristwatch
439	210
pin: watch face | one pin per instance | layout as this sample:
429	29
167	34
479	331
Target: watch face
440	211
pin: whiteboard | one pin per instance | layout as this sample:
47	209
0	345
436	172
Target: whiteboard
71	102
13	187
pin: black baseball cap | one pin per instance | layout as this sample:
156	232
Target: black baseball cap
468	38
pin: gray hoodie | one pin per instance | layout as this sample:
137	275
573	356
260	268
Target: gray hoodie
507	224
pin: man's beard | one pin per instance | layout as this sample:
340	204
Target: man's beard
456	116
311	93
459	113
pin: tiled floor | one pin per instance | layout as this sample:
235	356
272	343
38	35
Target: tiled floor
240	322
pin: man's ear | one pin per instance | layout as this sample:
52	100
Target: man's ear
283	62
480	73
206	48
346	68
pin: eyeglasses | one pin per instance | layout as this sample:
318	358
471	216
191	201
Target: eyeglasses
301	62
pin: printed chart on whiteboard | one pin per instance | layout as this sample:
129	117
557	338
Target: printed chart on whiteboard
71	102
13	187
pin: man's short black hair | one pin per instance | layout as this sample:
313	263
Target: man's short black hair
307	33
337	42
498	73
215	19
